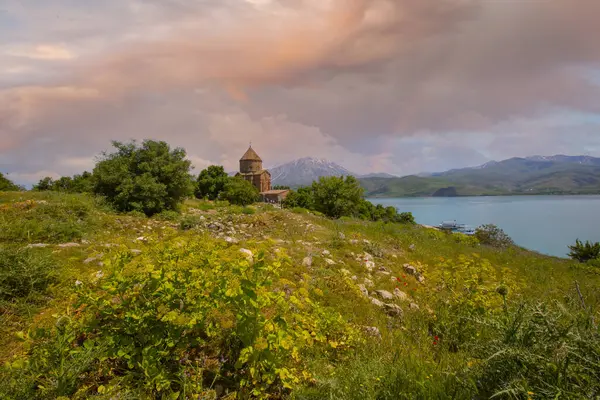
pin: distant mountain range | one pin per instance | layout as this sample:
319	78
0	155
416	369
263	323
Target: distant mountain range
304	171
558	174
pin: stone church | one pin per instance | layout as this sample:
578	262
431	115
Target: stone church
251	169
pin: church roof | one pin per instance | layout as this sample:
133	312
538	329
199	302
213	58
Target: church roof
250	155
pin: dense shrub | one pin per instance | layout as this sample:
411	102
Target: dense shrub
584	252
24	272
492	235
180	325
189	222
7	186
62	219
149	177
337	196
240	192
77	184
301	198
168	215
211	182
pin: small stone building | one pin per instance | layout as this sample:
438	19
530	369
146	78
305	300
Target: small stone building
251	169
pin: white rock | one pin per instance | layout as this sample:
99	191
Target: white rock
136	251
231	240
373	331
326	253
363	290
370	265
345	271
329	261
393	310
37	245
354	278
394	256
413	306
399	294
368	282
412	247
140	239
249	255
409	269
307	262
67	245
378	303
384	294
367	257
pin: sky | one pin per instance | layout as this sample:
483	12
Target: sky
401	86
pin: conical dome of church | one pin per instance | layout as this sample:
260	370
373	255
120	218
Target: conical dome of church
250	155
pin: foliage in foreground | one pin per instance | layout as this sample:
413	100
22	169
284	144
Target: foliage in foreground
183	326
584	252
24	272
42	221
149	178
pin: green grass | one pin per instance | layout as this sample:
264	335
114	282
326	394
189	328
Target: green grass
487	321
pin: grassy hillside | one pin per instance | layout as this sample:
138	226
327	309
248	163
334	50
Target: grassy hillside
255	302
514	176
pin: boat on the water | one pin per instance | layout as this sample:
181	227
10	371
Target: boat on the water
453	226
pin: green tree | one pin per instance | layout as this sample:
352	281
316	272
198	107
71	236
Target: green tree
149	177
492	235
281	187
337	196
239	191
44	184
584	252
303	197
6	185
211	182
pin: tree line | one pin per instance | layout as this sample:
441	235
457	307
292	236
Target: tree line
151	177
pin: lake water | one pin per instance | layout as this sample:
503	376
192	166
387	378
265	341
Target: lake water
546	224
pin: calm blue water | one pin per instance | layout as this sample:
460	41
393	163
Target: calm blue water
546	224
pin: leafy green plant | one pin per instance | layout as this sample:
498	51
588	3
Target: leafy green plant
240	192
168	215
66	218
248	211
189	222
211	182
584	252
24	272
186	321
494	236
149	178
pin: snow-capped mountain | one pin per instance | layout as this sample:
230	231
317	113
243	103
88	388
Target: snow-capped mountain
560	158
304	171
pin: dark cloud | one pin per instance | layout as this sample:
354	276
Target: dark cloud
343	78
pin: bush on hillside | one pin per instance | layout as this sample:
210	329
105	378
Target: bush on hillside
494	236
149	177
77	184
211	182
65	218
179	326
240	192
24	272
301	198
336	197
584	252
6	185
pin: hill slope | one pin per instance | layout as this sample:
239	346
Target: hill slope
533	175
229	302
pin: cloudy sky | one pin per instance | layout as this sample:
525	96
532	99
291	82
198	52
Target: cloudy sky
402	86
